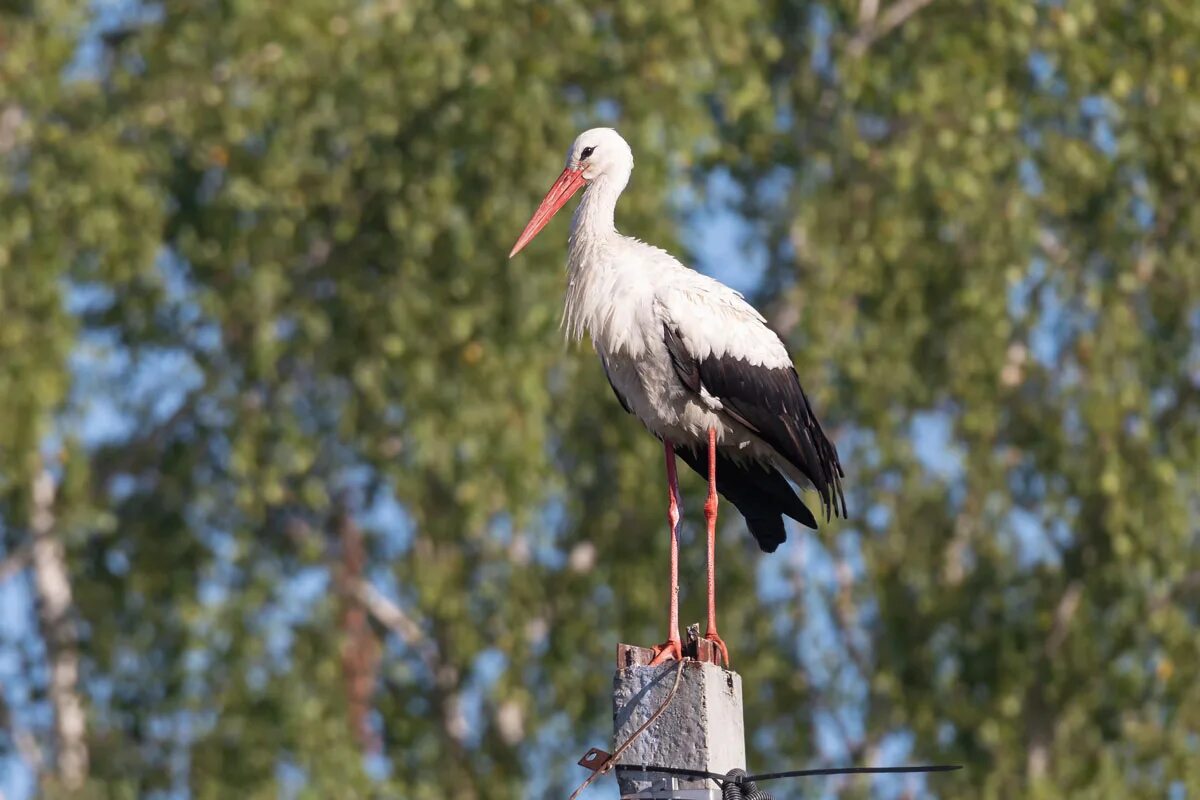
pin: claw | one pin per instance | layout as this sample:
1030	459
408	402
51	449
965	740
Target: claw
670	650
720	645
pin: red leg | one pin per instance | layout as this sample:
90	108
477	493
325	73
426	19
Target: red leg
710	517
672	647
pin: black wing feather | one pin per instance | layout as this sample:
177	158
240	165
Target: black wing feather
686	367
771	403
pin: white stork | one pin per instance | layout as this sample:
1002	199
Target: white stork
695	362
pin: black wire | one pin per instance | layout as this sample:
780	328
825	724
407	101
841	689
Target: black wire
807	773
797	773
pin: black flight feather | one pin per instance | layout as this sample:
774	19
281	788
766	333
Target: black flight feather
772	404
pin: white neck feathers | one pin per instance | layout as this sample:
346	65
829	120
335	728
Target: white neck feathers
610	284
594	219
590	267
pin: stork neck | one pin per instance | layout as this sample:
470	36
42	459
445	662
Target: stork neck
592	229
594	219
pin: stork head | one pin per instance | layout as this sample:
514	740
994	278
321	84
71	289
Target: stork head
600	152
596	154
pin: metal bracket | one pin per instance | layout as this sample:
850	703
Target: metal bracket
594	759
663	788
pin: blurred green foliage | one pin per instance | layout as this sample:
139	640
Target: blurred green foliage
270	238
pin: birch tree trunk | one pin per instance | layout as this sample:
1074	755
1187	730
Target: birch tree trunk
54	604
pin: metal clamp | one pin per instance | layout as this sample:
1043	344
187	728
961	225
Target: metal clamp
663	787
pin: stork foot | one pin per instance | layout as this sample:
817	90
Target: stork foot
720	645
670	650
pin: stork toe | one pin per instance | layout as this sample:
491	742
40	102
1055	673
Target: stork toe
670	650
719	643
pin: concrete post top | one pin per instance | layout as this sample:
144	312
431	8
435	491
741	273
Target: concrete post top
701	728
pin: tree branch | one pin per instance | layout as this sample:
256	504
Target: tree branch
360	651
875	29
1064	612
392	617
867	11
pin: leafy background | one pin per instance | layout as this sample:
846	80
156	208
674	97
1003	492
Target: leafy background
301	494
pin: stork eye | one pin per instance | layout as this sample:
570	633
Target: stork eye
587	151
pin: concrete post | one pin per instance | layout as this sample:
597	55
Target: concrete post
701	729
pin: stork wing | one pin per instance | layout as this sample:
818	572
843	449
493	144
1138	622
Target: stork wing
723	350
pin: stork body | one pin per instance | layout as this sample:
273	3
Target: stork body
691	359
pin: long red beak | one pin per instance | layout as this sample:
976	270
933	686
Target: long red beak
563	189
